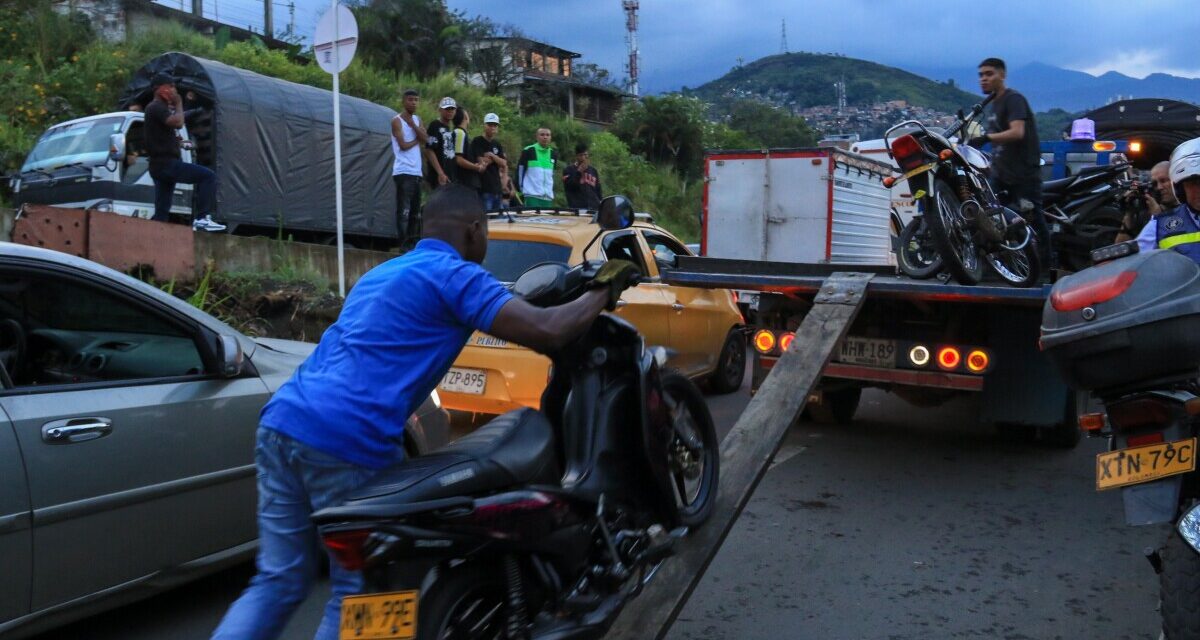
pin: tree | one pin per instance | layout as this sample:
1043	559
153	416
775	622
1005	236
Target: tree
593	74
493	55
421	37
667	130
770	126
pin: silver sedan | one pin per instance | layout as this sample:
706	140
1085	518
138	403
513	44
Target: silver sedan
127	422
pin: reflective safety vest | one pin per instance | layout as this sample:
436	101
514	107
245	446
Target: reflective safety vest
1178	230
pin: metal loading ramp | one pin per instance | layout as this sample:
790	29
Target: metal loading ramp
746	453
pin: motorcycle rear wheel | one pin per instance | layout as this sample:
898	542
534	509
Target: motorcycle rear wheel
951	234
1179	589
694	473
1017	268
916	255
464	603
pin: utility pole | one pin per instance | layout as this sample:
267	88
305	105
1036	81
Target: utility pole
292	17
268	19
783	48
198	8
631	25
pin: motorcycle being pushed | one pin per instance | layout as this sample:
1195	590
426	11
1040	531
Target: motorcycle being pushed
1125	331
961	213
540	525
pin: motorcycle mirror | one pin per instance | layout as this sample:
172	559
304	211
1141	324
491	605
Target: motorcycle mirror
1189	527
542	283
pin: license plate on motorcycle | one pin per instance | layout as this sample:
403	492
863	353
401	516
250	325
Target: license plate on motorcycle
868	351
379	616
1142	464
472	381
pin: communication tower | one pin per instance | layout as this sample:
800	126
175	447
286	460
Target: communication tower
783	48
631	25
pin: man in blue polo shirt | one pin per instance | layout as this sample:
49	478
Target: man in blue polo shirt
340	418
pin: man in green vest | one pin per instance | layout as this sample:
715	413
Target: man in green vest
536	171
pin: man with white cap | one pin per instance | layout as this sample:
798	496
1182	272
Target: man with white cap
439	151
494	181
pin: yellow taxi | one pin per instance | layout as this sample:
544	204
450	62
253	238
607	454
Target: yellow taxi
701	328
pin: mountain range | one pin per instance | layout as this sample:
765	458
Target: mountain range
1047	86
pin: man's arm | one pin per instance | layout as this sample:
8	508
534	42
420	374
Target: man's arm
550	329
522	164
421	134
571	176
1014	133
398	134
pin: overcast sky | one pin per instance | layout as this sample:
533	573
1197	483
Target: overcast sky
691	42
694	41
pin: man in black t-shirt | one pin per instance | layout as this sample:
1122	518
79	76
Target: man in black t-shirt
494	181
164	116
1016	156
582	181
439	152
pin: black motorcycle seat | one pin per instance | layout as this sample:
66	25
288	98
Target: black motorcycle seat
1057	185
514	449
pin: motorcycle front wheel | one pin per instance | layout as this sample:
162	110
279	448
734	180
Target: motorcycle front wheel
693	458
916	256
464	603
1017	268
951	234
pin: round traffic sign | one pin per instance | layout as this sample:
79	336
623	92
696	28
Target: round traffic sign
336	38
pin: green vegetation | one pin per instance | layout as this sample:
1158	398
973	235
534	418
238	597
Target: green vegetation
1050	124
803	80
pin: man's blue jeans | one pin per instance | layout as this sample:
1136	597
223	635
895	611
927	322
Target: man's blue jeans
167	173
491	201
294	480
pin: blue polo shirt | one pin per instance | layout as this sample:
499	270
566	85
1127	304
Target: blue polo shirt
400	329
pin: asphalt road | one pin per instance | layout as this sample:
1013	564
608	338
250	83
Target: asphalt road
905	524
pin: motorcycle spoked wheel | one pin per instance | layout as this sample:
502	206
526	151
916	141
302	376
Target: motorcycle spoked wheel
916	255
1179	589
464	603
952	235
1020	268
694	473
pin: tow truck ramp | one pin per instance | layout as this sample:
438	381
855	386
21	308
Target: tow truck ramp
747	451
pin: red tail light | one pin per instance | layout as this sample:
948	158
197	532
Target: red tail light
949	358
347	547
785	341
1149	438
1092	293
1139	413
908	152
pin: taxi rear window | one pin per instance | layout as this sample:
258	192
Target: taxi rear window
508	259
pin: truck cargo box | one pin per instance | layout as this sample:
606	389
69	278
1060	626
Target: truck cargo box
1126	321
820	205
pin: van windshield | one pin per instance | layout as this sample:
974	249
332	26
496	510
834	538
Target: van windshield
85	142
508	259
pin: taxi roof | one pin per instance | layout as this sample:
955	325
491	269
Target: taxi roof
567	226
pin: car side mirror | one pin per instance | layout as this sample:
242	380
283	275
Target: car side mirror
116	147
229	352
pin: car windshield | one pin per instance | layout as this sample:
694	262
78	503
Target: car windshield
508	259
84	142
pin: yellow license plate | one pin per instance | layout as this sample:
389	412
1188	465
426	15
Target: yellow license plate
919	170
379	616
1141	464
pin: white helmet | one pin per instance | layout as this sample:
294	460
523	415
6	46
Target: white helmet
1185	161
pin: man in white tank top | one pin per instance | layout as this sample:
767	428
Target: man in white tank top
408	139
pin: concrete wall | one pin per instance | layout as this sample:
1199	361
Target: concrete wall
236	253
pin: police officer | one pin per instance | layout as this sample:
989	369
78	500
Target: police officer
1179	228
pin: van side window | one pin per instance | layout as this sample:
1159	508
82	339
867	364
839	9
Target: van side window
56	330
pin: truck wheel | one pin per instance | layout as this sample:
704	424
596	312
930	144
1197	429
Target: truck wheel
731	364
1179	589
835	407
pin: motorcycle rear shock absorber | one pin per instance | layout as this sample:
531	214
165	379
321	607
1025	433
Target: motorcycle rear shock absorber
515	627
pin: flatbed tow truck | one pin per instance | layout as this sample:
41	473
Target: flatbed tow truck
927	341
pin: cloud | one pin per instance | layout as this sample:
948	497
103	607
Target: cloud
1138	63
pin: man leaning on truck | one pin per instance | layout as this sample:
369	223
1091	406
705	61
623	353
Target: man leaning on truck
164	116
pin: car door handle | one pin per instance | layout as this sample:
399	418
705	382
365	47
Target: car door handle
74	430
677	307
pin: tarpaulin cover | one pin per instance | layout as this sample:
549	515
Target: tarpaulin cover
273	151
1159	124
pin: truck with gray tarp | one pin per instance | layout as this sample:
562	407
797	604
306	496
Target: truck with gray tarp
269	141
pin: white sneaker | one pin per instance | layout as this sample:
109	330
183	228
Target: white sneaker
207	224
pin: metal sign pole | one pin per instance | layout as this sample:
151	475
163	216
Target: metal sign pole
337	153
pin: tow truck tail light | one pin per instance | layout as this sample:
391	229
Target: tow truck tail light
949	358
978	361
1103	145
1092	293
764	341
907	152
919	355
1135	147
785	341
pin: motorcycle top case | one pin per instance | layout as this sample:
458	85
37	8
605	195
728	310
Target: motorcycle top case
1123	322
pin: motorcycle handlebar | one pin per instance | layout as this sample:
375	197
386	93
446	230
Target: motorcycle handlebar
975	111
